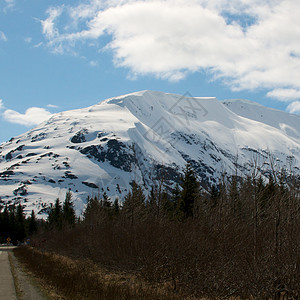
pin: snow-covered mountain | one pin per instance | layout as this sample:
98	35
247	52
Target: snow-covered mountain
144	136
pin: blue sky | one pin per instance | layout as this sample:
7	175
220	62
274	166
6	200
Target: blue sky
61	55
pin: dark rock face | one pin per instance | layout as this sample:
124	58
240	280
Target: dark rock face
6	173
69	175
130	157
47	154
169	174
79	137
76	139
31	154
9	155
38	137
93	152
90	184
116	153
22	191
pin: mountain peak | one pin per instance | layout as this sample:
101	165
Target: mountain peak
141	136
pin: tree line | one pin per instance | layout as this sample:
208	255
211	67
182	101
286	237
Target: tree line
14	227
239	238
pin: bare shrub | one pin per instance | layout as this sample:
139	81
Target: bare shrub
241	242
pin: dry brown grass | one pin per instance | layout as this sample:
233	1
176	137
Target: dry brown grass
66	278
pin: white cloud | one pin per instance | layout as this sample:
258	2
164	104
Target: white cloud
32	116
38	45
294	107
3	37
52	106
1	104
285	95
172	38
49	29
9	5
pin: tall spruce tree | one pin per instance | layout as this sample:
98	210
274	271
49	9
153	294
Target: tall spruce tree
68	212
55	215
234	195
4	228
134	203
12	223
92	210
105	201
189	191
116	207
19	224
214	195
32	223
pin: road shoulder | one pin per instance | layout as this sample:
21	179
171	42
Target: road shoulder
25	285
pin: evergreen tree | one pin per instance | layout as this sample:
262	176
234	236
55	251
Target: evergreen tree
189	192
167	206
214	195
68	212
32	223
152	202
4	228
234	195
267	193
19	224
12	223
247	194
55	215
134	203
92	210
176	199
105	201
116	207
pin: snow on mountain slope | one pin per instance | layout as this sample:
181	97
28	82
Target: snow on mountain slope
288	123
138	137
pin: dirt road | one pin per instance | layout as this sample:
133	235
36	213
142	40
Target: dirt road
15	284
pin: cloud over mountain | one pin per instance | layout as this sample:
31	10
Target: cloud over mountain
32	116
285	94
248	45
294	107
